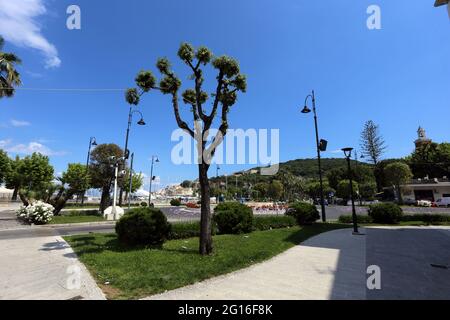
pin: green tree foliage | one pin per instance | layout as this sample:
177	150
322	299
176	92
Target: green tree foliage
9	77
313	189
229	82
343	189
275	190
30	177
101	170
74	181
372	143
137	181
397	174
5	166
432	160
186	184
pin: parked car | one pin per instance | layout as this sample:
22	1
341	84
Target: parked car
444	202
424	203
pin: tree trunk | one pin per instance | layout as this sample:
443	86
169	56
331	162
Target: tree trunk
24	199
399	194
60	203
206	246
105	199
14	196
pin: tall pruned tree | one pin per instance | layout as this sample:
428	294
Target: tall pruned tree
101	170
372	143
229	81
9	77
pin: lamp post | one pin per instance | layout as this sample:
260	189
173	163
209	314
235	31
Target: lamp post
155	159
126	152
92	142
348	155
307	110
131	181
116	163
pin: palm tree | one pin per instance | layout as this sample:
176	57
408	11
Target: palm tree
9	77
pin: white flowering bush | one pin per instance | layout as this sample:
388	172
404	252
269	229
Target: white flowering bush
37	213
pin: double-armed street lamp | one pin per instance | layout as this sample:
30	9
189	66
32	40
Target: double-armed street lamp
321	146
116	161
348	155
92	142
131	181
155	159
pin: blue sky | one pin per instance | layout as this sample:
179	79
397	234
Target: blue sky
396	76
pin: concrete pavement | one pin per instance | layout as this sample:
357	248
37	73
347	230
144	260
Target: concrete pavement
414	264
43	267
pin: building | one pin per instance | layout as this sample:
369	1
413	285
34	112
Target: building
426	188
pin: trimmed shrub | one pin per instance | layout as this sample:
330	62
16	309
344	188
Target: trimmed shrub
304	213
385	213
144	204
233	218
359	219
273	222
143	226
175	202
183	230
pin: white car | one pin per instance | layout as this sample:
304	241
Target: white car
424	203
444	202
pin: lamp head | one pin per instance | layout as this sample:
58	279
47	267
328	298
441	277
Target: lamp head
141	122
306	110
93	141
347	152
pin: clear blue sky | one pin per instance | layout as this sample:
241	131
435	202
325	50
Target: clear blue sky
397	76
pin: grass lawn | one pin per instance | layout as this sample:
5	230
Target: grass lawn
140	272
75	219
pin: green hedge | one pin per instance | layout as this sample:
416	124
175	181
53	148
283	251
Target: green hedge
93	212
273	222
191	229
426	218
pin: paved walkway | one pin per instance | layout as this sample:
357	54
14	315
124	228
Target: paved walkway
330	265
414	264
43	267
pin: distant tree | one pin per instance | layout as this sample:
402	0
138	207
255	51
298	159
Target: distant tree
313	189
137	181
343	190
367	190
261	189
186	184
275	190
432	160
5	165
229	82
398	174
9	77
336	175
101	170
30	176
74	181
372	143
293	186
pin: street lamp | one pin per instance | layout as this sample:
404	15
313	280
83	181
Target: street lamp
348	155
92	142
131	181
126	152
155	159
321	146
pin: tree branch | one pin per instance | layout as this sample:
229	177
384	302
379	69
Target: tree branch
182	124
216	100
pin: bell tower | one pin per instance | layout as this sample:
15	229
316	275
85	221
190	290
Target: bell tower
422	139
